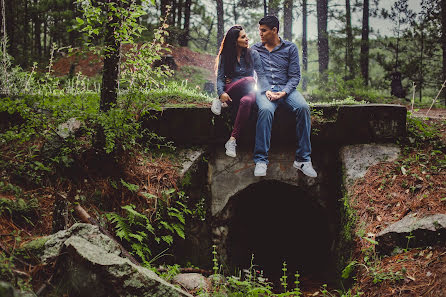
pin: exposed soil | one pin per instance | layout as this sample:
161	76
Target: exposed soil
439	114
90	64
389	191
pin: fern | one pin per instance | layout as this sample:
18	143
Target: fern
142	235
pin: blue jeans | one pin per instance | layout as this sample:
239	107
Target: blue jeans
296	103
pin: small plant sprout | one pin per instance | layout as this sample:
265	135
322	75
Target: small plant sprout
283	279
297	291
214	259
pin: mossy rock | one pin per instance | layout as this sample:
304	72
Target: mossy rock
34	249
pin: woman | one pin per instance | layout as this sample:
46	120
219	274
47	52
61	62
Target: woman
235	65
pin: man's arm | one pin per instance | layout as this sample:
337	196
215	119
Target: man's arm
293	70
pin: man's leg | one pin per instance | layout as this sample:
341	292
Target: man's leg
297	104
263	127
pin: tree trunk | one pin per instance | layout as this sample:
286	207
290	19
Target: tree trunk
364	56
304	45
184	41
349	46
37	31
265	8
163	8
288	20
420	82
273	7
10	27
443	41
110	74
25	34
209	35
322	37
234	11
173	14
220	23
180	13
45	36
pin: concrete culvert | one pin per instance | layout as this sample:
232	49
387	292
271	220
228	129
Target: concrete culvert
278	222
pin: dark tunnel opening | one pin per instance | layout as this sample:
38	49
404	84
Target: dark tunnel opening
280	223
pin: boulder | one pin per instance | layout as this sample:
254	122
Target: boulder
90	264
357	159
68	128
192	281
413	231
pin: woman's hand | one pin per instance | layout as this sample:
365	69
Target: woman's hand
225	97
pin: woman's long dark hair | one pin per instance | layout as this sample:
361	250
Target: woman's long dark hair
228	51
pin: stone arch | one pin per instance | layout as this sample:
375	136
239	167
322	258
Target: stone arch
277	222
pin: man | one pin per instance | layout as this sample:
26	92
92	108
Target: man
280	59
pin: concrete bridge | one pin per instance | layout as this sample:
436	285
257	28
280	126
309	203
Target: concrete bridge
284	216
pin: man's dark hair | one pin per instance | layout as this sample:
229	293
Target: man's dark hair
270	21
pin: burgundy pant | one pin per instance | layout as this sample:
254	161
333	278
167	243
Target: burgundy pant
243	97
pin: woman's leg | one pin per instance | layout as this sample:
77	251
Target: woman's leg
241	93
244	110
240	87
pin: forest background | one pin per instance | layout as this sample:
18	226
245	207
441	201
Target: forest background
350	44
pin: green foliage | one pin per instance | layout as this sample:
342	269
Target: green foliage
251	284
97	14
144	234
337	88
420	132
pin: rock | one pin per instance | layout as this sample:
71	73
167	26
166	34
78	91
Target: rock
412	231
54	244
35	247
68	128
7	290
192	281
357	159
89	264
190	157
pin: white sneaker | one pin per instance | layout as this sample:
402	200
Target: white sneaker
230	148
216	106
260	169
306	168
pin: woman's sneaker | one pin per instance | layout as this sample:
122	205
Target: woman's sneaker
216	106
230	148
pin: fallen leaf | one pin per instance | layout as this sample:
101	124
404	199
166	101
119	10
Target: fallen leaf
411	277
403	170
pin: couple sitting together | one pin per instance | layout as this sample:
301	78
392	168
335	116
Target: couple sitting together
276	63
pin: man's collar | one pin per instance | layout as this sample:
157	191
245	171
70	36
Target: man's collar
277	46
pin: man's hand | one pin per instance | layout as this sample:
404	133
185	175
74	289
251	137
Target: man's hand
228	80
225	97
272	96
